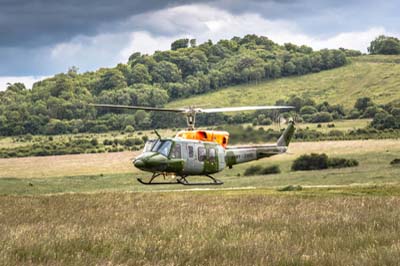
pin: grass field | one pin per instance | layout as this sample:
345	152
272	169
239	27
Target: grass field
366	76
89	210
115	172
199	228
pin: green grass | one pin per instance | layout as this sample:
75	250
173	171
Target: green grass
374	157
366	76
339	217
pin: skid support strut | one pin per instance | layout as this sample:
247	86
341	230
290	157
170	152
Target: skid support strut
179	180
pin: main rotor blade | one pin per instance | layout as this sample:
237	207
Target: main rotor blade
243	108
113	106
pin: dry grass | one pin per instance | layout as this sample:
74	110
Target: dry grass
67	165
208	228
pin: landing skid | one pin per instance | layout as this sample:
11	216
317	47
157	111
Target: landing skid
214	182
182	180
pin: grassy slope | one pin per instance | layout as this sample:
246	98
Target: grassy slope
367	76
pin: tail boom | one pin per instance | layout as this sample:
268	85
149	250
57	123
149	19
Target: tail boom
243	154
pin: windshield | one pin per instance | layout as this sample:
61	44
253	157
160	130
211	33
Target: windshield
149	144
162	146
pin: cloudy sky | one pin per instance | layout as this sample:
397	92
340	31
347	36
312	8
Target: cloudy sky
40	38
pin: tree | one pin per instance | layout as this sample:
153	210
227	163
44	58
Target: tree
166	72
111	79
384	45
181	43
140	74
363	103
192	43
16	87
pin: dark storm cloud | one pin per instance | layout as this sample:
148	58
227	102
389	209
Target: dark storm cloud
42	22
28	23
32	31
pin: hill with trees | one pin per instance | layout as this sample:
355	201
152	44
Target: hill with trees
60	104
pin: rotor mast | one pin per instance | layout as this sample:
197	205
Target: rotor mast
191	118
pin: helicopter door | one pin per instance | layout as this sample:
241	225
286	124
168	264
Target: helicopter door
193	165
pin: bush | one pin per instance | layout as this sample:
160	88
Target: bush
258	170
308	110
94	142
313	161
273	169
341	162
129	128
321	117
395	161
252	170
336	133
316	161
354	113
291	188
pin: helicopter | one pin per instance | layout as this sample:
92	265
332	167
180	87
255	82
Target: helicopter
199	152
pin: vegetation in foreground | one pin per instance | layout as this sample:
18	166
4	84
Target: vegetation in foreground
200	228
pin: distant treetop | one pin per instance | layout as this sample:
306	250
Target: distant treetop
385	45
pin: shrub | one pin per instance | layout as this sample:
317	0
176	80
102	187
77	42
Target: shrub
107	142
94	142
321	117
341	162
308	110
273	169
291	188
354	113
336	133
258	170
395	161
313	161
252	170
371	111
129	128
321	161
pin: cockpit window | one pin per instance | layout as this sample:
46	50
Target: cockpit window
162	146
149	144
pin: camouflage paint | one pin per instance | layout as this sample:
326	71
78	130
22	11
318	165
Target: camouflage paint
156	162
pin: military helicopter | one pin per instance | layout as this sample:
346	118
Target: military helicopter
199	152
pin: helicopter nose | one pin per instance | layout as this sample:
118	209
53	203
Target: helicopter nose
139	163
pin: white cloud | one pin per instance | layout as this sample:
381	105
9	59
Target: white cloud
204	22
27	80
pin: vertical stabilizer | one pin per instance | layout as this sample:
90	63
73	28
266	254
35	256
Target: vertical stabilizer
287	135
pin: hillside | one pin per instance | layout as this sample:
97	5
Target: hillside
60	104
373	76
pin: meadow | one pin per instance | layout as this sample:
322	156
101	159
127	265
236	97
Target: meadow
115	172
88	209
245	227
366	76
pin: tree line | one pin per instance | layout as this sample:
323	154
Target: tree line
60	104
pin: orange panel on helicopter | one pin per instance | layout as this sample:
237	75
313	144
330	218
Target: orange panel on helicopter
220	137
